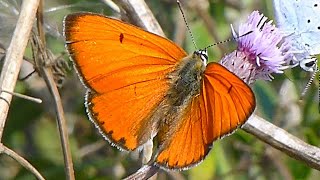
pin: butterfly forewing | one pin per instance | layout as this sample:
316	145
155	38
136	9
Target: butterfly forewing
125	70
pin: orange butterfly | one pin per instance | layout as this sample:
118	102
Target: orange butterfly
141	86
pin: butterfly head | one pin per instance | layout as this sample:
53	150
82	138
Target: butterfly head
203	55
308	64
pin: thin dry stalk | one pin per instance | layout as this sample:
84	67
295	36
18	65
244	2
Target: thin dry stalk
41	57
21	160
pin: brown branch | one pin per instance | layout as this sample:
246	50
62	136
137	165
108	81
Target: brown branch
283	141
21	160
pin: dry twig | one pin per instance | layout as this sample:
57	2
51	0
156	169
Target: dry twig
21	160
10	71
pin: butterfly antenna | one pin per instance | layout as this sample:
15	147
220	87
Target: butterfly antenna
309	83
185	21
228	40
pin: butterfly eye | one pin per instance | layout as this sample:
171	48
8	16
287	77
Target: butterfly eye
203	54
308	64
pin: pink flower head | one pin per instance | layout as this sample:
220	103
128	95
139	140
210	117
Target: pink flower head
258	53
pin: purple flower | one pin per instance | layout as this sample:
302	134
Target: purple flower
258	53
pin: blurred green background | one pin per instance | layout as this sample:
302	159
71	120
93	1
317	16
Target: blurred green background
31	128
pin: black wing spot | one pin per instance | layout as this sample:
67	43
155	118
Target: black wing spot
309	21
229	90
135	90
122	141
315	5
109	133
310	64
121	37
